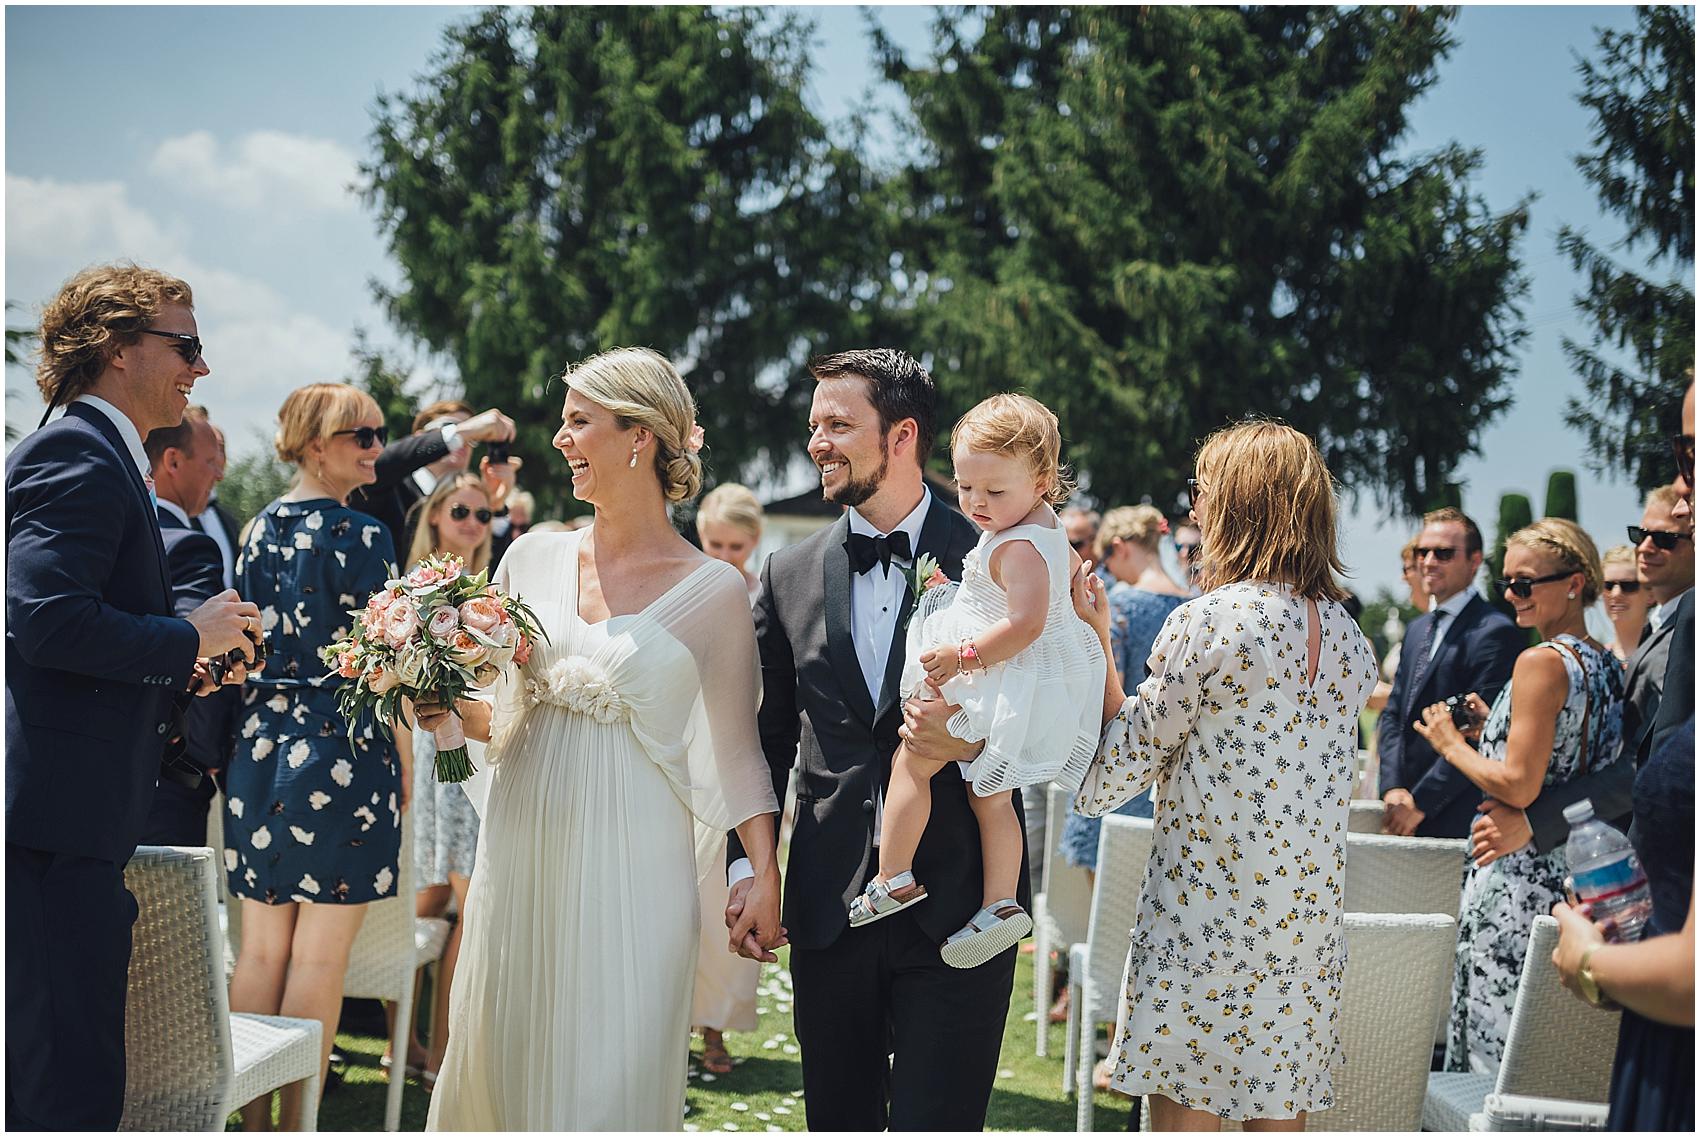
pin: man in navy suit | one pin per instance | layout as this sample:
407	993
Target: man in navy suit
1461	644
94	656
186	462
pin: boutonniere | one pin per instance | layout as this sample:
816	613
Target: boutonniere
924	575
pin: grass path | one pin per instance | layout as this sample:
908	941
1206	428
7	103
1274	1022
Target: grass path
763	1093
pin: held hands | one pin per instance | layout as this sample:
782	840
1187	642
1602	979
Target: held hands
1438	729
224	623
1091	602
923	732
1500	831
752	905
1402	816
474	716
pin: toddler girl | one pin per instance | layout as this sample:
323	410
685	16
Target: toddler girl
1008	649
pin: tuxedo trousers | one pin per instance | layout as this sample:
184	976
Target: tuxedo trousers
892	1037
68	922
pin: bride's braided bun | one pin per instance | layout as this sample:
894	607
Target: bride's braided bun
641	388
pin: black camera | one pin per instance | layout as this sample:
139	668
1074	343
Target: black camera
219	665
497	453
1462	716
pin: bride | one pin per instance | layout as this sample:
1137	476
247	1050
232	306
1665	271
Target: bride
573	991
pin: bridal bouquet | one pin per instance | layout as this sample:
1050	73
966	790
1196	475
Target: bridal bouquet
431	636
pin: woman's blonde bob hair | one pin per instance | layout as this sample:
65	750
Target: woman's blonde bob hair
315	412
734	505
1020	427
1142	525
641	387
427	540
1266	507
1569	548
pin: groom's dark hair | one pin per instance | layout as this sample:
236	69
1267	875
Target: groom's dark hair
898	386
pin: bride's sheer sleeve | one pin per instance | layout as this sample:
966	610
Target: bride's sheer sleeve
506	696
730	781
1150	731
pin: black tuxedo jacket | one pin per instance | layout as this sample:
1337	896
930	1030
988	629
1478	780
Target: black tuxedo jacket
93	652
1477	654
232	533
197	575
816	706
394	494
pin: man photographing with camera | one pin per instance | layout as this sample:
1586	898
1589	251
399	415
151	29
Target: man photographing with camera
94	659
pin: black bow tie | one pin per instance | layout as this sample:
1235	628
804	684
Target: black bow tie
866	552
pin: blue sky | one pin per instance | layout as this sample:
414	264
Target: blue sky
230	168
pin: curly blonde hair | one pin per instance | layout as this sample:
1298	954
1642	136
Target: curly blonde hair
641	387
1568	546
1020	427
96	313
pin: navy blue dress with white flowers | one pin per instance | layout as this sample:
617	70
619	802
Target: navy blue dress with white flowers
308	816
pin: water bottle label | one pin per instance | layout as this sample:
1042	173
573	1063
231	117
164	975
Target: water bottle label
1609	878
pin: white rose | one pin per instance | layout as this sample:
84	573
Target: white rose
410	664
442	622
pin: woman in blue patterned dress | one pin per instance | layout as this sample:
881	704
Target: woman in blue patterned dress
1559	718
312	823
1140	600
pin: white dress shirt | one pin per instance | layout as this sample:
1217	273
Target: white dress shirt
1444	615
213	526
176	511
876	601
126	430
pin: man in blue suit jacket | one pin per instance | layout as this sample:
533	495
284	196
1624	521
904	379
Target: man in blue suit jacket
1460	645
93	659
185	460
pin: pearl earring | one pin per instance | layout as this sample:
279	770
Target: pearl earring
633	462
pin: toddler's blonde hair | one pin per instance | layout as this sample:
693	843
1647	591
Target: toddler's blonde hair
1020	427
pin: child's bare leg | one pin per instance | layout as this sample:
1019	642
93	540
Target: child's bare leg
908	804
1000	845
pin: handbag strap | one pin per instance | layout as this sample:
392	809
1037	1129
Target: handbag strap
1587	700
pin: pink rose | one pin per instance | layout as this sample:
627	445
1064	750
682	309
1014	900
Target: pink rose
481	613
936	579
467	651
381	601
346	666
400	622
443	622
424	576
522	650
381	679
453	566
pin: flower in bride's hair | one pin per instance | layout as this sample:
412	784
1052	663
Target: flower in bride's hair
693	443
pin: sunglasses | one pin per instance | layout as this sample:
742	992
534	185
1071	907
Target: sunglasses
1661	538
366	437
1192	489
1186	548
1441	553
1627	587
460	513
189	347
1683	444
1524	587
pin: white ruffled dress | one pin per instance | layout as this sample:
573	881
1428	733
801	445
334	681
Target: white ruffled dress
1039	712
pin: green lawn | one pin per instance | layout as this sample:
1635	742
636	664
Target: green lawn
764	1090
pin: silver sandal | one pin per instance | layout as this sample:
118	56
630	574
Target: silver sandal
883	897
993	929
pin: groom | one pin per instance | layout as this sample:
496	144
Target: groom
891	1036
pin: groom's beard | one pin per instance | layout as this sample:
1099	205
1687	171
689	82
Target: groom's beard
856	490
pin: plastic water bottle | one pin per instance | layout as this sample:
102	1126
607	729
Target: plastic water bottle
1605	874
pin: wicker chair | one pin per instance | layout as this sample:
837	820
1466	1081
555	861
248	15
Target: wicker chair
1366	816
1557	1047
1404	874
1060	910
1096	967
393	944
190	1061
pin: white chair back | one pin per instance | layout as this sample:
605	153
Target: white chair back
1365	816
180	1066
1124	847
1558	1046
1404	874
1068	890
1395	962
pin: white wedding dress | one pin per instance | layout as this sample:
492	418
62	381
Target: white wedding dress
572	998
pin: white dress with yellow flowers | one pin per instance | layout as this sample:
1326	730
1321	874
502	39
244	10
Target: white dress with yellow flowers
1234	974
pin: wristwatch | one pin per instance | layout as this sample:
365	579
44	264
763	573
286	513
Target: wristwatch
1585	980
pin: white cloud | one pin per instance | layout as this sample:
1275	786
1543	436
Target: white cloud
264	168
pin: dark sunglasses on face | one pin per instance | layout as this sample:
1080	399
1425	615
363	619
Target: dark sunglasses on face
1627	587
1683	444
1524	587
461	513
1186	548
366	437
1441	553
1192	489
189	347
1662	538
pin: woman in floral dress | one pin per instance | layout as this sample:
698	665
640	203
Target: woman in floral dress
1248	727
1558	718
312	822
